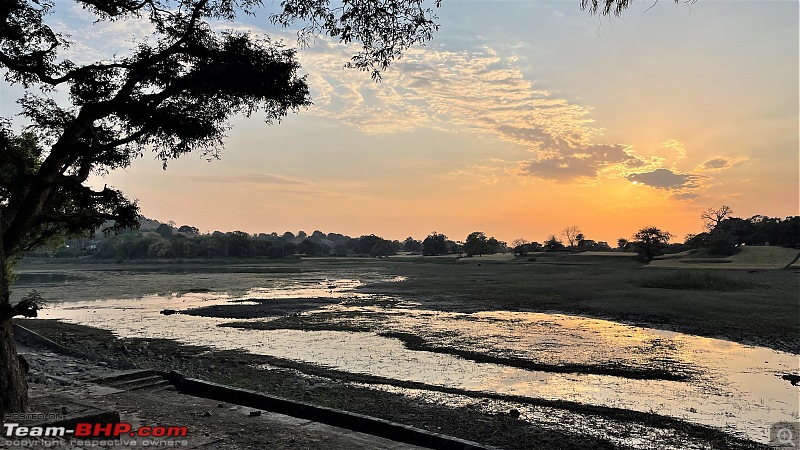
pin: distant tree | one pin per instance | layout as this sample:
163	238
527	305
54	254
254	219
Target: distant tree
789	232
520	246
435	244
364	244
602	246
317	236
494	246
695	241
455	248
240	245
571	234
382	248
288	236
337	238
311	248
722	243
164	230
188	229
477	244
623	244
588	245
306	247
412	245
553	243
712	217
650	242
301	235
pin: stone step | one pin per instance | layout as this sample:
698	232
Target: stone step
141	383
124	375
131	380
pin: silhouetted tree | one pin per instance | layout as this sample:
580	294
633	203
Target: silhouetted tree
571	234
553	243
695	241
650	242
712	217
477	244
164	230
412	245
382	248
188	229
435	244
172	94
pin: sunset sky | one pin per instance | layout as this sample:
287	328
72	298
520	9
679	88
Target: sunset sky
520	118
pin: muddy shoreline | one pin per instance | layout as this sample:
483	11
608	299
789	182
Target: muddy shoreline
583	425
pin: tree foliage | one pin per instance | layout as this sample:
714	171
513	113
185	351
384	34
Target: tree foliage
572	234
478	244
650	242
174	92
553	243
724	233
435	244
611	7
712	217
412	245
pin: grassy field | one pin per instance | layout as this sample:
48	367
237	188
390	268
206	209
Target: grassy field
748	258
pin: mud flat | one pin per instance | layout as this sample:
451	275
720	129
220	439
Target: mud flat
480	417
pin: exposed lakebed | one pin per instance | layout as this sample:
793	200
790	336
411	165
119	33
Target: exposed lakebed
329	322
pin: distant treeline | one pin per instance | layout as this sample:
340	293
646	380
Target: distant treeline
186	242
723	235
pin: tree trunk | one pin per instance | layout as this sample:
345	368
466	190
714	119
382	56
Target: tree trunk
13	381
13	375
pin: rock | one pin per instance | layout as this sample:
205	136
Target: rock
64	410
791	378
220	405
207	414
514	413
255	413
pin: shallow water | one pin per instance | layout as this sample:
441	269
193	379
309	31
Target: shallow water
735	387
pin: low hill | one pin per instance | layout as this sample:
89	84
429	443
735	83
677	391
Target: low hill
747	258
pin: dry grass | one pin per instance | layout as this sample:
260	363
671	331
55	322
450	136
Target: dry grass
694	280
752	258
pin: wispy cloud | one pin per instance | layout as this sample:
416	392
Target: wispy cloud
666	179
720	163
251	178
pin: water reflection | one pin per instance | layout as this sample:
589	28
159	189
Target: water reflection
737	387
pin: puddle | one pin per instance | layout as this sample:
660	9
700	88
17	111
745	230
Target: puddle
736	388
